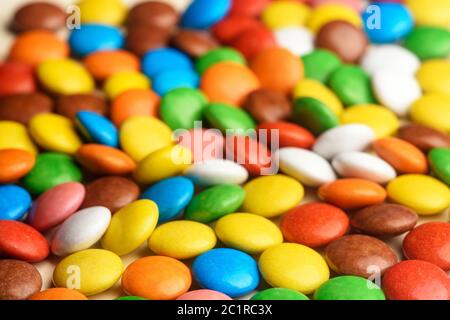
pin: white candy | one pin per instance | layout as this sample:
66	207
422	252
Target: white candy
81	231
363	165
218	171
298	40
396	90
305	166
391	56
350	137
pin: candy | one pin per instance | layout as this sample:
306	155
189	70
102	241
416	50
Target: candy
423	194
103	64
141	38
429	42
439	159
218	171
20	280
156	278
14	164
315	89
153	13
69	105
289	134
81	231
130	298
231	27
16	77
90	38
271	196
121	82
349	288
58	294
14	135
432	110
229	271
15	202
293	266
40	15
332	12
22	242
423	137
252	8
226	117
434	76
298	40
279	294
156	61
314	224
266	105
254	40
205	144
96	270
384	220
248	232
202	14
97	128
182	239
102	11
23	107
169	80
320	64
204	294
130	227
215	202
281	14
134	103
426	13
218	55
194	43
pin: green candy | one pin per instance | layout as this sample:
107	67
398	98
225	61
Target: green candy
349	288
352	85
320	64
216	56
129	298
213	203
225	117
314	115
440	163
180	108
429	42
51	169
279	294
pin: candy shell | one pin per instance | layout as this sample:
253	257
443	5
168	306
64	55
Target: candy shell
432	110
266	105
226	117
97	128
204	294
298	40
15	78
434	77
20	280
423	137
90	38
279	14
58	294
169	80
428	42
202	14
288	135
320	64
15	202
23	107
439	159
159	60
14	164
315	89
332	12
349	288
123	81
102	11
214	172
134	103
279	294
216	56
14	135
103	64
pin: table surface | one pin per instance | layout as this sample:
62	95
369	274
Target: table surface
46	267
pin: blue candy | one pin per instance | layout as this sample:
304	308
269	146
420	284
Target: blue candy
159	60
229	271
95	37
395	22
14	202
173	79
171	196
202	14
97	128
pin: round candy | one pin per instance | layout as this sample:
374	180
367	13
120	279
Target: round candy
428	42
69	105
320	64
315	89
205	144
121	82
279	294
156	278
423	137
16	77
131	103
153	13
229	271
90	38
202	14
14	164
194	43
15	202
100	159
204	294
41	15
279	14
156	61
432	110
423	194
14	135
252	8
89	271
439	159
226	117
267	105
349	288
182	239
20	280
427	13
23	107
434	76
231	27
58	294
103	64
102	11
298	40
97	128
218	55
130	298
288	135
254	40
217	171
332	12
169	80
141	38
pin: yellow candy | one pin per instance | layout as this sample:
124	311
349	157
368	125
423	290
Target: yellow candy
141	135
130	227
286	13
432	110
65	76
430	12
383	121
434	76
125	81
14	135
293	266
271	196
89	271
332	12
424	194
163	163
315	89
102	11
54	133
248	232
182	239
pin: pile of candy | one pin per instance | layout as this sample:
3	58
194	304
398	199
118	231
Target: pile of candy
100	152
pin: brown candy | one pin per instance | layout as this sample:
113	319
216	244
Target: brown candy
113	193
19	280
423	137
142	38
344	39
70	105
194	43
384	220
359	255
22	107
153	13
39	15
266	105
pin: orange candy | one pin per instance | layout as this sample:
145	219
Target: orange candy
14	164
102	159
103	64
37	46
277	69
139	102
352	193
156	278
402	155
59	294
228	82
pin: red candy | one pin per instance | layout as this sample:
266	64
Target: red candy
251	8
253	41
16	77
20	241
416	280
290	135
429	242
204	144
229	28
314	224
